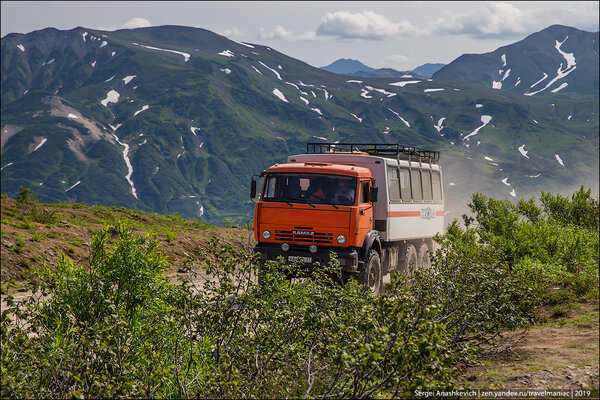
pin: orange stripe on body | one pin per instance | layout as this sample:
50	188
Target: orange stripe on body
394	214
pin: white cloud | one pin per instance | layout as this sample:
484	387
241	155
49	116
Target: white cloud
279	33
505	20
136	22
233	32
493	20
364	25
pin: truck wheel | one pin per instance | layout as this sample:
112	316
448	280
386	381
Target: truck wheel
424	260
370	275
409	260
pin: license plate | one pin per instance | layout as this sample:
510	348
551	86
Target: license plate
299	258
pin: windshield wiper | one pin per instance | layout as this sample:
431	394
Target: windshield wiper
286	200
325	200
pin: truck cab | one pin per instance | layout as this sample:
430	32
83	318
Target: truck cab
346	199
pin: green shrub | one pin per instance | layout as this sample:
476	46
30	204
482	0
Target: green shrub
43	216
119	328
560	237
25	196
477	293
19	245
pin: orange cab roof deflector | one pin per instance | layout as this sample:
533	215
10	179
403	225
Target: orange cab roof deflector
322	168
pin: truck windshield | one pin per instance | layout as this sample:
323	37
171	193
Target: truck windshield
310	188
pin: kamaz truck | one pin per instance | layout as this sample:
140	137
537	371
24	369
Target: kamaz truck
375	206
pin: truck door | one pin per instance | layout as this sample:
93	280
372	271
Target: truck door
365	209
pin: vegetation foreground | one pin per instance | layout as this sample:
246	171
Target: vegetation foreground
118	327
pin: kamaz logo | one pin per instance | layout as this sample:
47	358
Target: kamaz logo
427	213
304	233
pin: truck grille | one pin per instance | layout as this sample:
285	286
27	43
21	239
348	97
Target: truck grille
290	236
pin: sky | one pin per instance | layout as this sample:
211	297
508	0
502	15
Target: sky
400	35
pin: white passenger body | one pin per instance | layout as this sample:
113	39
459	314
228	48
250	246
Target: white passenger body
396	219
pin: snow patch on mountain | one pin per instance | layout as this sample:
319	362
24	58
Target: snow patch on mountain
354	115
243	44
186	56
226	70
543	78
71	187
128	163
128	79
21	47
403	83
111	97
44	140
104	43
304	100
498	84
280	95
256	69
562	86
72	116
505	181
560	72
401	119
144	108
433	90
513	193
271	69
485	119
382	91
227	53
438	127
523	151
560	161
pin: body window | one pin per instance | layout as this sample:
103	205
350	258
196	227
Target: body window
426	181
405	193
437	185
393	183
415	180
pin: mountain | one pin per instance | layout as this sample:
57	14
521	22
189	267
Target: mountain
175	119
349	67
558	61
346	66
427	70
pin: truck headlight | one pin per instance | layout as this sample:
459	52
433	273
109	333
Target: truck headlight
341	239
266	234
285	247
312	248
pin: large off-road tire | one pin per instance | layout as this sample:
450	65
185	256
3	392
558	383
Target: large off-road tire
424	256
370	275
409	260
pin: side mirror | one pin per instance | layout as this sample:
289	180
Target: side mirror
373	194
252	189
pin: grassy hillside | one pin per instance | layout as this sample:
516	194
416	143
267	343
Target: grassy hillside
37	233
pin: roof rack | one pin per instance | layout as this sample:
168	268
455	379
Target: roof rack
395	151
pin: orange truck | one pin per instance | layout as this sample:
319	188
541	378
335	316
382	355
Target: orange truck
376	206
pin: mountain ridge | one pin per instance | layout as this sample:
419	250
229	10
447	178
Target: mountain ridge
176	119
558	61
